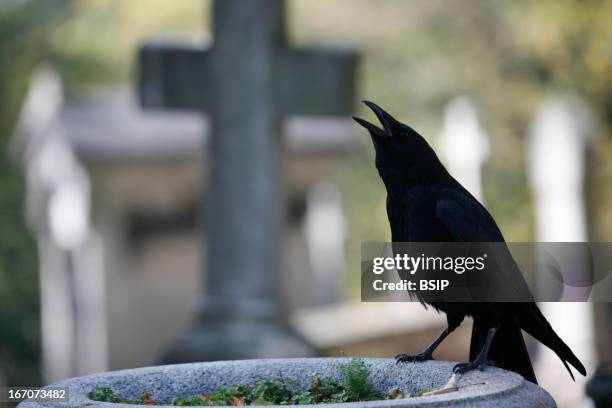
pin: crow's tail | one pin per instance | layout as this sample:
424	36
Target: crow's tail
508	350
534	323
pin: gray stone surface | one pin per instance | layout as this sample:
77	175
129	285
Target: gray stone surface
493	387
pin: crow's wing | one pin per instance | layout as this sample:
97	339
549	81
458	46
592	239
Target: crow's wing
468	221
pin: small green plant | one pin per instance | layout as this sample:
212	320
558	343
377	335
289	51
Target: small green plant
356	381
107	394
270	391
104	394
321	391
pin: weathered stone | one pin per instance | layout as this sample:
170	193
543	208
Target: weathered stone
490	388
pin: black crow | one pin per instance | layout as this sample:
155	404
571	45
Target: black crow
426	204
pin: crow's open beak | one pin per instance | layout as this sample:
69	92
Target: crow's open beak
374	130
389	123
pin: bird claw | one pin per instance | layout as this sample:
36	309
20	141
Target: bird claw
463	368
405	358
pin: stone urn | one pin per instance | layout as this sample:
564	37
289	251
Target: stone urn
492	387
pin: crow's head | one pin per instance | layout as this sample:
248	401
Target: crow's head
403	157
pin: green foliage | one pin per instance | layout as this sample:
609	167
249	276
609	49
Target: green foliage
356	386
269	392
19	339
107	394
103	394
98	44
321	391
24	42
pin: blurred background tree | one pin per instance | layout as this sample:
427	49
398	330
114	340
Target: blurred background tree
24	42
417	55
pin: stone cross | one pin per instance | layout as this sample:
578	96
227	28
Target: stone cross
557	146
247	82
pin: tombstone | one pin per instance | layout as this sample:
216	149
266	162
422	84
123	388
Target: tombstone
558	141
247	82
464	144
71	277
325	229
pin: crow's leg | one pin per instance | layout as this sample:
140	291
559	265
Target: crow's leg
480	361
427	354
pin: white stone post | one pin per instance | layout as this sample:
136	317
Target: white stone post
325	228
73	312
464	144
557	143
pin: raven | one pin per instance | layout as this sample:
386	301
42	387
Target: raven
426	204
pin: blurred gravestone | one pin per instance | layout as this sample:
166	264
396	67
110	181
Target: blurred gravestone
464	144
558	143
324	228
248	81
73	322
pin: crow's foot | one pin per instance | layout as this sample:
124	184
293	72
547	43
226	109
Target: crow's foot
405	358
463	368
